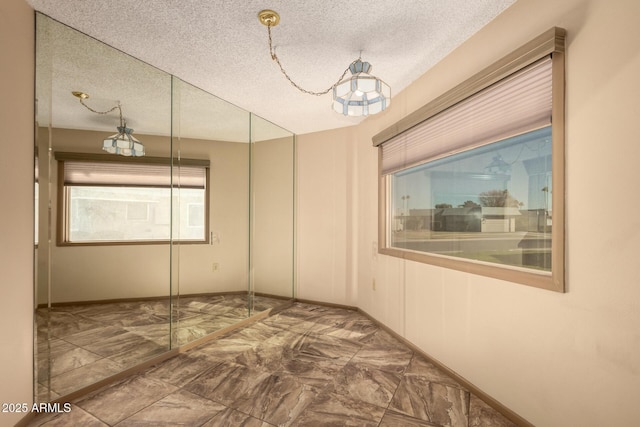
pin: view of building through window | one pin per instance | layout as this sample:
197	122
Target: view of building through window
491	203
108	214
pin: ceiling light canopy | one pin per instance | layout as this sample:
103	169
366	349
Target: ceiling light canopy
359	95
123	142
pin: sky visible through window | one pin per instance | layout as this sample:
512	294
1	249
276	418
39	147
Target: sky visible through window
519	165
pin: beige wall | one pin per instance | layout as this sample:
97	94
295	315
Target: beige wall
16	193
555	359
272	171
326	203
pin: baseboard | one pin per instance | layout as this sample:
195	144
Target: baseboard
325	304
139	299
263	294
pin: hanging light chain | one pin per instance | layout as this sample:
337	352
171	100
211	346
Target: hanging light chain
294	84
117	107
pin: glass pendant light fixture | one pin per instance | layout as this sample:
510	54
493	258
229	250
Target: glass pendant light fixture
362	94
122	143
359	95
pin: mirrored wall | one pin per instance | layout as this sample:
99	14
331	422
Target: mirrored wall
139	255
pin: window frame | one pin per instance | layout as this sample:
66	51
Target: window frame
552	43
62	209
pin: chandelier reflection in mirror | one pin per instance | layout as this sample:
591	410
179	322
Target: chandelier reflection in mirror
122	143
498	166
359	95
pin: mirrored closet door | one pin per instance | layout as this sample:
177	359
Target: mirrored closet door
104	220
210	270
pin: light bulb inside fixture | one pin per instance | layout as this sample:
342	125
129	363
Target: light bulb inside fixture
358	93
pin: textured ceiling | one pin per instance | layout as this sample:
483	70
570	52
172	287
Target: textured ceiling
220	47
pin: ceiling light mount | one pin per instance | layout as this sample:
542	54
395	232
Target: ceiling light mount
360	95
123	142
269	18
80	95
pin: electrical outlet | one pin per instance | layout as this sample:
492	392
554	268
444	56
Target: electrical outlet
215	267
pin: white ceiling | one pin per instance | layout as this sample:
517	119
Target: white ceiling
221	47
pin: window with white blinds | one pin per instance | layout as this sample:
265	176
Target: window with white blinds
474	180
78	172
517	104
105	200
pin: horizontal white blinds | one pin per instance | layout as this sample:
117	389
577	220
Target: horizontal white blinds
514	105
78	172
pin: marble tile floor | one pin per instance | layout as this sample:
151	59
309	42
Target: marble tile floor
80	344
306	365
